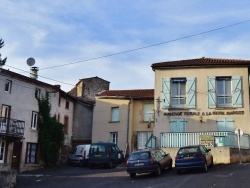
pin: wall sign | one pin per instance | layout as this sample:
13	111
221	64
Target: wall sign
204	113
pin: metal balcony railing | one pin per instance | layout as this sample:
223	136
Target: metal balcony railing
11	127
226	139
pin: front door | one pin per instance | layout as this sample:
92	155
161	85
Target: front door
16	155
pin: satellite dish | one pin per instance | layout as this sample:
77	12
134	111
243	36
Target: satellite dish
31	61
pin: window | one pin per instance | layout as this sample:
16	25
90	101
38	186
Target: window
31	153
178	93
142	138
8	85
114	114
67	105
34	120
66	124
148	114
5	114
37	93
114	137
224	92
59	101
58	117
178	125
225	124
2	151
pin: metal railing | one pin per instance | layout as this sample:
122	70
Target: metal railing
228	139
11	127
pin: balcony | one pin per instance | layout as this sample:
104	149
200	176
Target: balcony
11	127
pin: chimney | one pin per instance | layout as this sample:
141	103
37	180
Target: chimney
33	72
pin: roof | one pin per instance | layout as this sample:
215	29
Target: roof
127	94
201	62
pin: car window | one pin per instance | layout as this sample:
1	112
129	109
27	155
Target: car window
139	156
188	150
97	148
203	149
162	152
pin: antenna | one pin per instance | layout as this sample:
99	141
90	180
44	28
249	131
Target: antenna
31	61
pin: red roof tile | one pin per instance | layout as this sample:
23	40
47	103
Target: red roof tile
137	93
202	62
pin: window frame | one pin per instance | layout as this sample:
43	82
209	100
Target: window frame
8	86
67	105
114	137
2	150
115	114
34	120
179	85
66	124
148	115
30	153
37	93
224	84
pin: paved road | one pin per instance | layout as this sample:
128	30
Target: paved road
220	176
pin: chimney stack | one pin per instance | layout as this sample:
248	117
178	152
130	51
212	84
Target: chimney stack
33	72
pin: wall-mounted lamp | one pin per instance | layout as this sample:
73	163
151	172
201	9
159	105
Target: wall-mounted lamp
201	119
149	124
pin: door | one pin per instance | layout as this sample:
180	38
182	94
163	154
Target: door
16	155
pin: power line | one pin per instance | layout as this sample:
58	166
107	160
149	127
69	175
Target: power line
144	47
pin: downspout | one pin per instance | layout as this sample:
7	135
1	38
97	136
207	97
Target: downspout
128	125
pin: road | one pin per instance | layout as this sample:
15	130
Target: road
220	176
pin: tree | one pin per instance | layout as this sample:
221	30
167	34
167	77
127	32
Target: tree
2	61
51	135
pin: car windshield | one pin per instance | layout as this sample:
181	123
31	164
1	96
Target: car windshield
139	156
188	150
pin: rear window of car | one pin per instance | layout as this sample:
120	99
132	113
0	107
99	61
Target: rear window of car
139	156
188	150
97	149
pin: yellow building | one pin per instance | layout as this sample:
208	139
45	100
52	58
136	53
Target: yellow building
198	97
124	117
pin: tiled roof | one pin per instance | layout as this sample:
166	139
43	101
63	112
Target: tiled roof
137	93
201	62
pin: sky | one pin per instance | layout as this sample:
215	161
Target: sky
118	41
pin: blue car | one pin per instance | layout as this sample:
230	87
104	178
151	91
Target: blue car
147	161
193	157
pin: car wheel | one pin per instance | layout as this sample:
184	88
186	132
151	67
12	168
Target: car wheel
170	166
111	165
178	171
158	172
212	163
81	163
205	167
132	175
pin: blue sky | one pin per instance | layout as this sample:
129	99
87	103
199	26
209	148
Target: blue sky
62	32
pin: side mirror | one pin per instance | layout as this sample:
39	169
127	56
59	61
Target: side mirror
208	150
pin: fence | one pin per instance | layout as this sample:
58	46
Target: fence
12	127
226	139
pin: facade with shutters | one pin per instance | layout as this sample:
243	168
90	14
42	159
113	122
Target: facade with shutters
198	96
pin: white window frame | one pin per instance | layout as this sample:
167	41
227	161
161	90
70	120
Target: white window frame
34	120
31	153
226	94
148	112
2	150
114	137
142	138
8	86
180	96
115	114
37	93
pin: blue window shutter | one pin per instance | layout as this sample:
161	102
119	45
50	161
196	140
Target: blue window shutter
237	91
165	93
178	125
230	124
211	92
221	124
191	93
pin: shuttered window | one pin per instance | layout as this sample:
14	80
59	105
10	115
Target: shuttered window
225	124
178	125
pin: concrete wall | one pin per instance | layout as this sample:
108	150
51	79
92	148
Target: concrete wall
221	155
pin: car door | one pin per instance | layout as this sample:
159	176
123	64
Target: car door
206	154
165	158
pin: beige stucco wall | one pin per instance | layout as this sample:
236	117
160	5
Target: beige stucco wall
102	125
193	121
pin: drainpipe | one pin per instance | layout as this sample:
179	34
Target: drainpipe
128	124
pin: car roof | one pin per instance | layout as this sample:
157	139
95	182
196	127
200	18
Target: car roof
145	150
190	146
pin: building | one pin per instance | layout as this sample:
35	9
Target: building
204	96
84	93
124	117
19	119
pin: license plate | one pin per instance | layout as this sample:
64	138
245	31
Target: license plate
139	164
188	157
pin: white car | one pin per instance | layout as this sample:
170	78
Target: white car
80	155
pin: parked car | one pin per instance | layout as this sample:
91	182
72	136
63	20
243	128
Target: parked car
105	153
79	155
193	157
148	160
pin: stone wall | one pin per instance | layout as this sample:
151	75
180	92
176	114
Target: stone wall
7	179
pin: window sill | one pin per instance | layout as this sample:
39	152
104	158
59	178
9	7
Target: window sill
114	121
225	108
